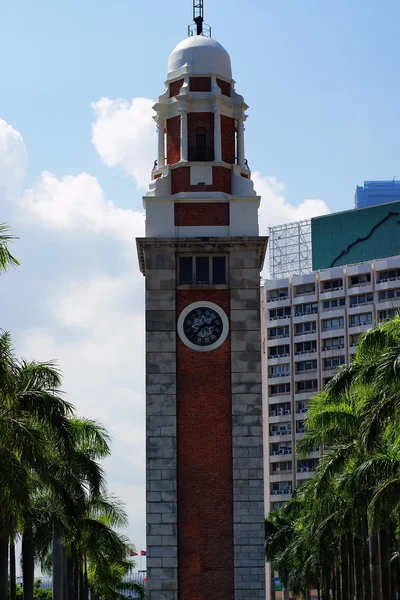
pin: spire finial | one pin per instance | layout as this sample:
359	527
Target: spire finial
199	28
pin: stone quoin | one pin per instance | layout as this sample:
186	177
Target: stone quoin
202	257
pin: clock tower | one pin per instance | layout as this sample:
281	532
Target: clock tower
201	258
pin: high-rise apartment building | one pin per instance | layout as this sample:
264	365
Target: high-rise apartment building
376	192
311	325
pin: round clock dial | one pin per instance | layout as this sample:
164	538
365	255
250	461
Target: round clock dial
203	326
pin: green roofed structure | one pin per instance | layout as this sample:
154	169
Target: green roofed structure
355	236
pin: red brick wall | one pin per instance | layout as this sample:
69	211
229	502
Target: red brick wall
175	87
228	139
180	181
205	479
200	84
204	121
173	140
206	214
225	87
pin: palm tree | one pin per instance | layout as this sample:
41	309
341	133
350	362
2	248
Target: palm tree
31	409
6	258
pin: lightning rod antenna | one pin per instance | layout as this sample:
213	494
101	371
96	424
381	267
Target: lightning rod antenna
198	15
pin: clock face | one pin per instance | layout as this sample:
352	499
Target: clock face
203	326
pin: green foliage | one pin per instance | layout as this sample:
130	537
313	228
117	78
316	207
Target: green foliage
356	487
51	478
39	593
6	258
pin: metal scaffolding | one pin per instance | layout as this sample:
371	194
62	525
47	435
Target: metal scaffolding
290	250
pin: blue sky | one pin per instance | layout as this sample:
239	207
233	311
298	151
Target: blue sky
320	79
77	143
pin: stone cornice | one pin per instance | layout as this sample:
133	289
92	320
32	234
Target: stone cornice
211	244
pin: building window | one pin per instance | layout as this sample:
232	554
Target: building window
333	343
361	299
301	407
278	332
307	288
279	313
386	315
306	365
361	319
391	275
307	466
363	279
332	363
280	429
280	410
283	388
202	270
304	328
185	270
305	347
334	303
277	351
279	370
281	467
332	285
306	386
388	295
280	448
283	487
306	309
301	427
335	323
219	270
279	294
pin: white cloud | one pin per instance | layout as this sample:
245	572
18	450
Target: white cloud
275	210
75	203
96	332
13	161
124	135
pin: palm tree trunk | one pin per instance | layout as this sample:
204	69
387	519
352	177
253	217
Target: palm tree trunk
272	594
81	581
374	566
285	593
366	572
13	571
350	547
85	579
334	597
77	567
4	565
57	562
344	567
386	577
28	563
358	566
65	574
326	584
70	577
338	585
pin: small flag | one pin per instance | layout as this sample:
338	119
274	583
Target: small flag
143	553
132	553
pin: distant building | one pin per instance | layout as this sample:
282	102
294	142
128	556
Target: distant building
356	236
311	326
376	192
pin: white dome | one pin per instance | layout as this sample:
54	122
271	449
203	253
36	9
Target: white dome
199	55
